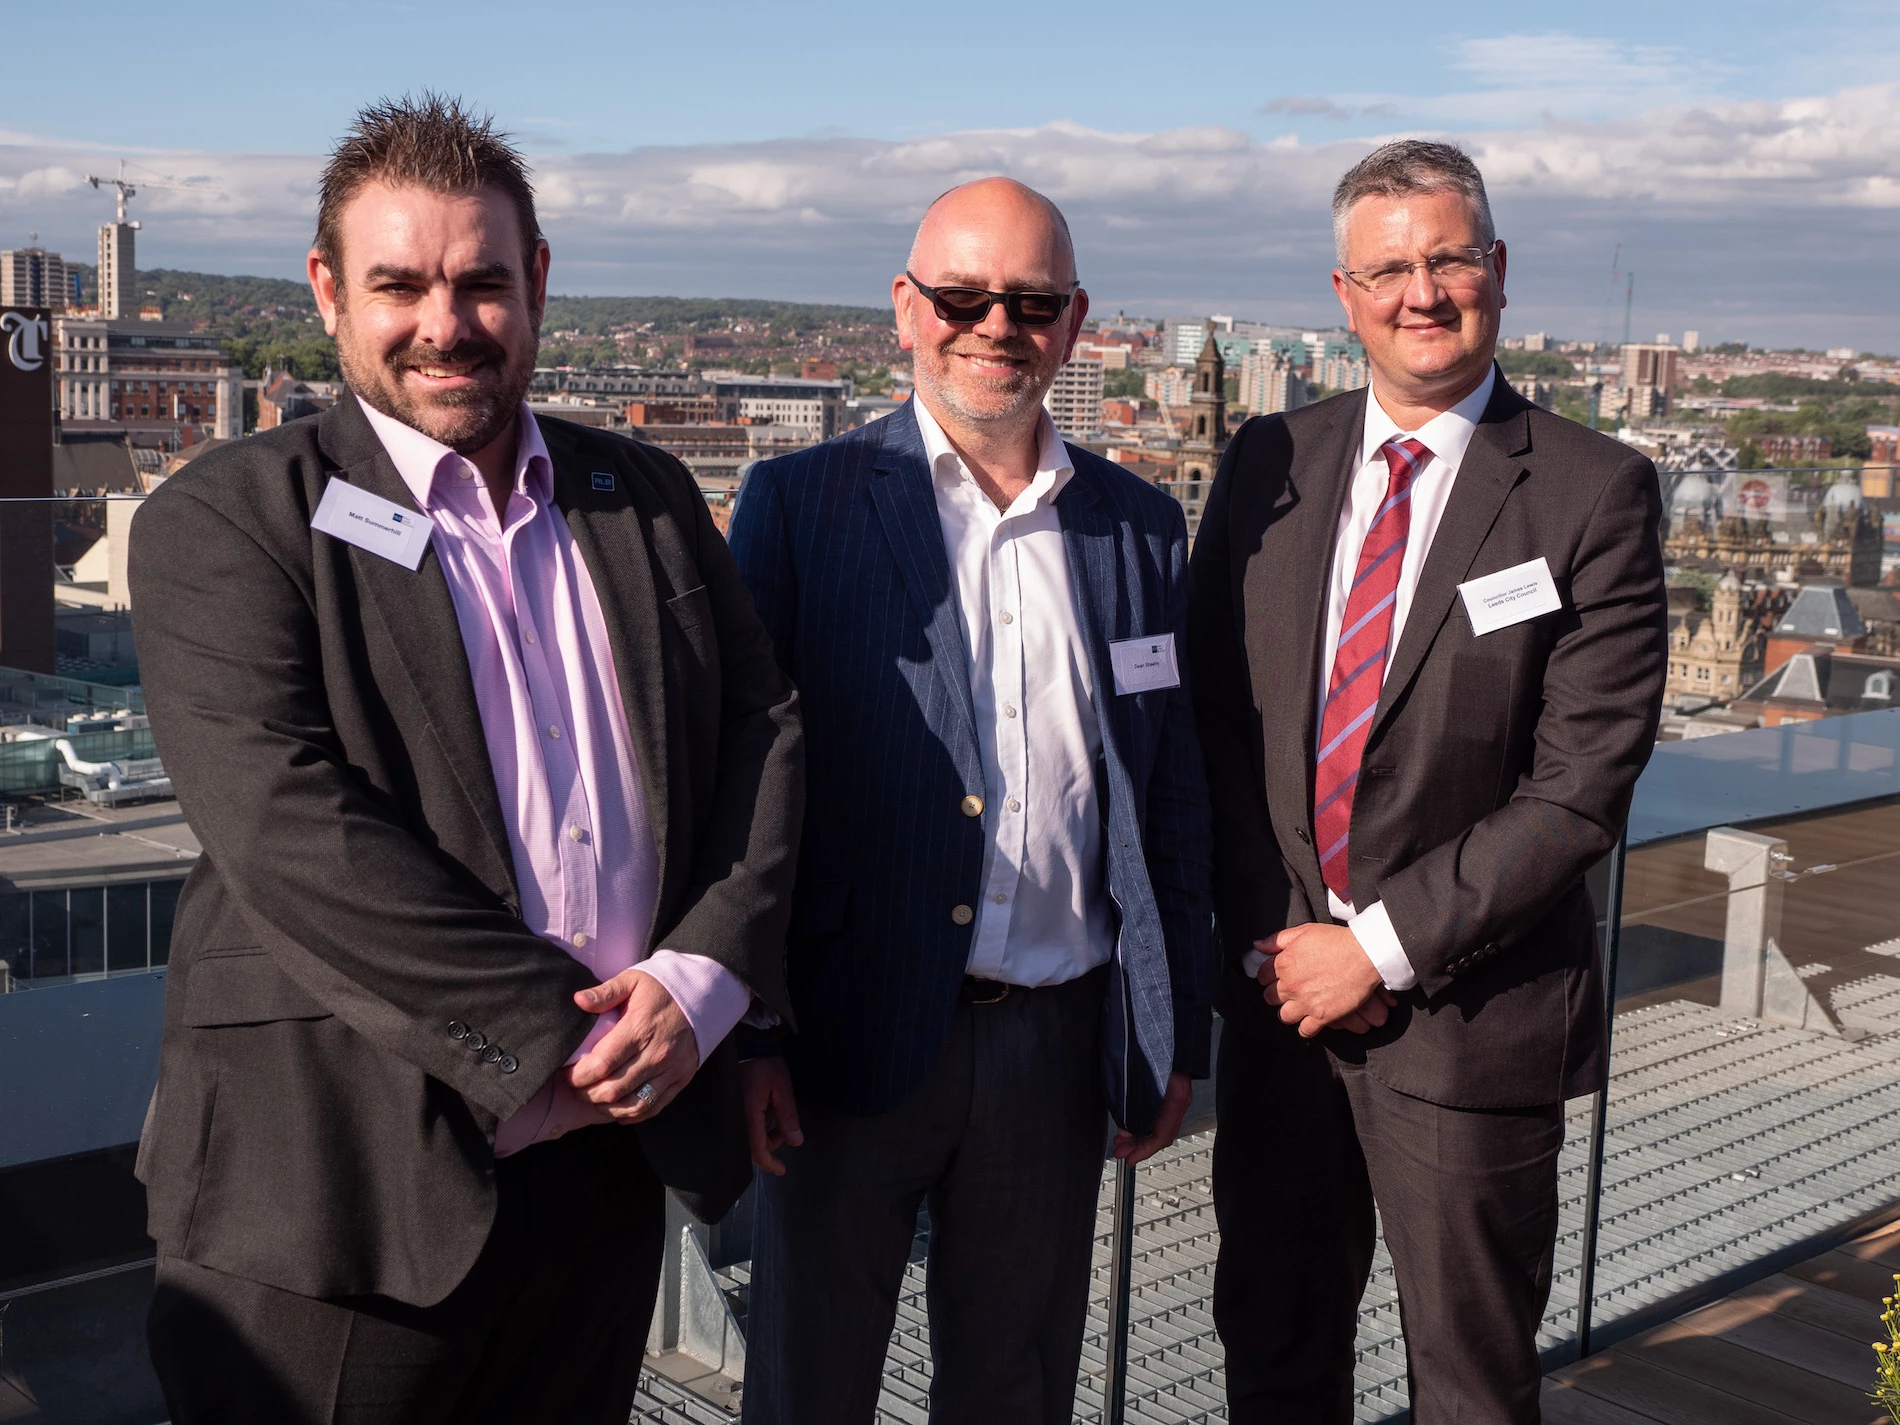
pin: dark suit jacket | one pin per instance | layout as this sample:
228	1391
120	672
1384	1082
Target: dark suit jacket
316	1126
842	550
1498	769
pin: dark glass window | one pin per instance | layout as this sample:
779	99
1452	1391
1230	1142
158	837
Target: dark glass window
86	929
125	927
49	934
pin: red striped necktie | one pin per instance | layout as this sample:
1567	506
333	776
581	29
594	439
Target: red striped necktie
1365	639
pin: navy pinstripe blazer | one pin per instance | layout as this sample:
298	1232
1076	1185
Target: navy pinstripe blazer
841	548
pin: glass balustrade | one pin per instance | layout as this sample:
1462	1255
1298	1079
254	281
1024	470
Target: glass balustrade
1753	1114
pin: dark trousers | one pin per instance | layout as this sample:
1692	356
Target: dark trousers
549	1325
1468	1199
1005	1139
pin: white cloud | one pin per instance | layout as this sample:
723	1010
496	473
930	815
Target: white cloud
1776	211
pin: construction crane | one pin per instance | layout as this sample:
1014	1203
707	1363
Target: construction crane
128	190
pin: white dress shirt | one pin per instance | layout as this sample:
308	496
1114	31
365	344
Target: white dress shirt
1044	917
1447	436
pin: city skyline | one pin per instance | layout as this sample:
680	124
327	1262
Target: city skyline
1748	169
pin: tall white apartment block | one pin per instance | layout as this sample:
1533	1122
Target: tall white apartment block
118	271
34	277
1269	383
1171	386
1075	400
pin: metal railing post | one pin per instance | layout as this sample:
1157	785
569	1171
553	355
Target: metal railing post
1120	1278
1600	1111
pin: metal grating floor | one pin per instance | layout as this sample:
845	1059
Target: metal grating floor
1729	1138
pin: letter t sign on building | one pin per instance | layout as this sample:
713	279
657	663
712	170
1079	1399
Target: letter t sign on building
26	473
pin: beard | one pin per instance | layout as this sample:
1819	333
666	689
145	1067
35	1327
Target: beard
466	420
978	400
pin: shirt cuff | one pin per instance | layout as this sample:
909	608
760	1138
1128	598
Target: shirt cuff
712	998
1372	928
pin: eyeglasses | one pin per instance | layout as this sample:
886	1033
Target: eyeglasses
1458	269
968	305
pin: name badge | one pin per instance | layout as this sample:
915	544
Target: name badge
1144	664
1510	596
368	521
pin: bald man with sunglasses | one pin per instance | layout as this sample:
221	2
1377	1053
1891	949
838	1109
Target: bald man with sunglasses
1001	936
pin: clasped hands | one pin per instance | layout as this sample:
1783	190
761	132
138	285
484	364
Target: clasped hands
652	1044
1321	978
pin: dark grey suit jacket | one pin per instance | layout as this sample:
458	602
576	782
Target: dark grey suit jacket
1498	769
316	1125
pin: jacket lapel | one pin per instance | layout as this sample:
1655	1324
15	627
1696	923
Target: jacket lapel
418	617
1294	596
1088	539
1485	478
613	531
907	504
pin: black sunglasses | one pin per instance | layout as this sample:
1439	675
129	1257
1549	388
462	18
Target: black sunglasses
972	304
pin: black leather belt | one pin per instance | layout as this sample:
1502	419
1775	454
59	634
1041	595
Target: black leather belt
979	991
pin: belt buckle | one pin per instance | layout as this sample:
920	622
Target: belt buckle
1001	990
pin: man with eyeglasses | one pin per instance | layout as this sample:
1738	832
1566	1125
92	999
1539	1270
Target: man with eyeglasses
1001	933
1428	633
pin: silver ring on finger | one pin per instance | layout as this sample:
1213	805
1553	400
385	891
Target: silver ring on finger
645	1094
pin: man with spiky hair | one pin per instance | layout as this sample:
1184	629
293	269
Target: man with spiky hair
499	787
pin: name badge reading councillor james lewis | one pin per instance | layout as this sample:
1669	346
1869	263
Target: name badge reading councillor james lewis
368	521
1510	596
1144	664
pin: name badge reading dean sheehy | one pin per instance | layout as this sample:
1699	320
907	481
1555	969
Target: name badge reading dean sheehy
370	522
1144	664
1510	596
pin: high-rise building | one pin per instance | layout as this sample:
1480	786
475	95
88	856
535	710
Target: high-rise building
1075	399
1185	340
1343	372
33	277
151	373
118	271
1269	383
1691	340
1536	341
1170	386
1649	376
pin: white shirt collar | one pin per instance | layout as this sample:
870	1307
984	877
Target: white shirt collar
418	458
1447	435
1053	466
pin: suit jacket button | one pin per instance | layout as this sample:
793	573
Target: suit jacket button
509	1063
457	1029
476	1041
962	915
972	805
491	1055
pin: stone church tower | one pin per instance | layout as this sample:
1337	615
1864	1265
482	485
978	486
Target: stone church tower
1201	451
1718	656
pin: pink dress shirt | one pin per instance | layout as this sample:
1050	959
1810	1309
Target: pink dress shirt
556	731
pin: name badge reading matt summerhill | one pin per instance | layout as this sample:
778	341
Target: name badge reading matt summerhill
370	522
1144	664
1510	596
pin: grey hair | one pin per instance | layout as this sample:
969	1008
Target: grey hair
1411	166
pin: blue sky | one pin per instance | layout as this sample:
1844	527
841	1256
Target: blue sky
1748	163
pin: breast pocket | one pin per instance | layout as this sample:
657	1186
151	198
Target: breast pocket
692	618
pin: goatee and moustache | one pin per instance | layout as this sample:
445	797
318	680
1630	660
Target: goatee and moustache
466	419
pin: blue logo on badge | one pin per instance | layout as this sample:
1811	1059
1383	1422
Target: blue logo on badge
396	516
603	481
